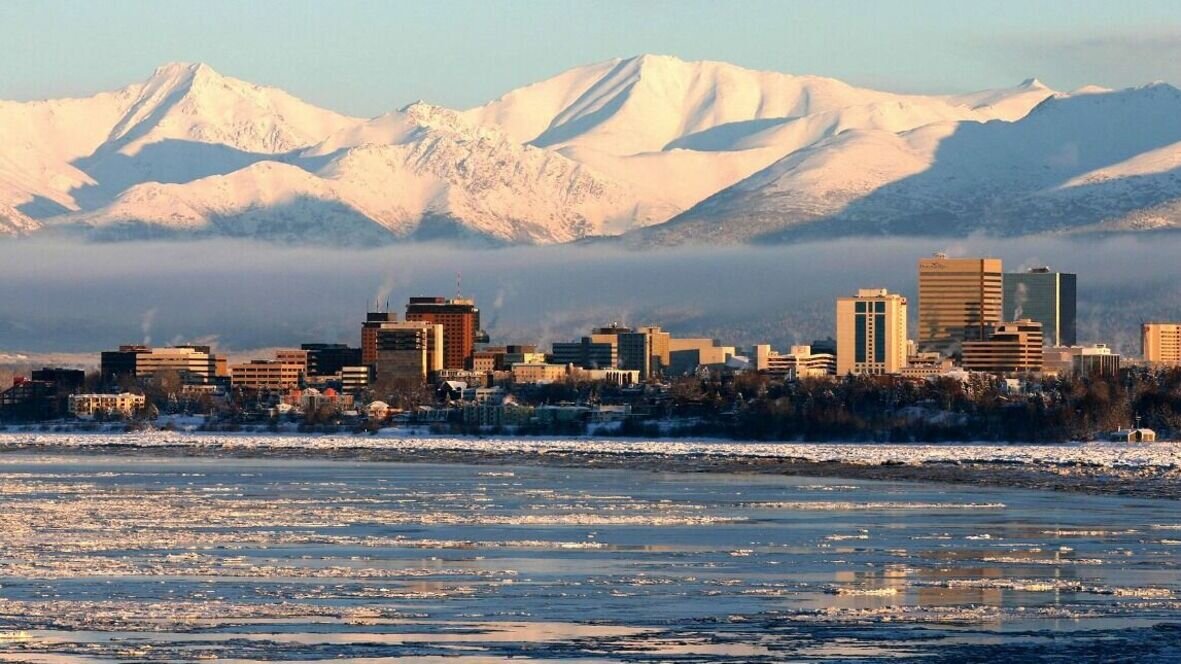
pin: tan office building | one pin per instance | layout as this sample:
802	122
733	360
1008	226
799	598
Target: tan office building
195	364
267	374
409	350
1161	343
293	356
645	350
1008	348
689	354
959	298
528	372
871	333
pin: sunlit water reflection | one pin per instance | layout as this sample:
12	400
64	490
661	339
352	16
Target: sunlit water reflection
157	559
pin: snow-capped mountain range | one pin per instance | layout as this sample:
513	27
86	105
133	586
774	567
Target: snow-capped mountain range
651	148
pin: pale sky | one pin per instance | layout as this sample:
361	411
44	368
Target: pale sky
366	58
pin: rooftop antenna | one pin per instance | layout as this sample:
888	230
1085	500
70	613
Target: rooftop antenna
387	305
458	285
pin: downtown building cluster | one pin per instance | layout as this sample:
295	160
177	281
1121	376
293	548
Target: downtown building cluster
436	360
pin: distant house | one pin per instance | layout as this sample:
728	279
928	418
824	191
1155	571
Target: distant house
1137	435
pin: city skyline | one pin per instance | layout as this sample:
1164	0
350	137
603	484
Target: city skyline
671	330
960	323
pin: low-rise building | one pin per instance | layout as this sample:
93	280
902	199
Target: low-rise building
927	365
528	372
1008	348
1137	435
326	360
1096	360
619	377
274	374
377	411
520	354
587	352
801	362
30	401
483	394
355	379
297	356
192	363
689	354
88	405
491	414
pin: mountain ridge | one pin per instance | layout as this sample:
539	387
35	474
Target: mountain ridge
651	148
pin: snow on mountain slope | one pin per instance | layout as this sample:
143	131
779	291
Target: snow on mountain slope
719	152
638	120
642	104
267	200
1004	103
13	222
422	171
651	102
1092	161
446	168
192	102
39	139
185	122
189	122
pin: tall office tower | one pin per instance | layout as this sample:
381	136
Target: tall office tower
1046	297
1161	342
871	333
409	350
645	350
958	299
374	321
1007	348
461	325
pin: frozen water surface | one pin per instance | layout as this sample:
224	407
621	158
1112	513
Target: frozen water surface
153	558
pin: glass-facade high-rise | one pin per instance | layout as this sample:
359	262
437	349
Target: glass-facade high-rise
959	299
1049	298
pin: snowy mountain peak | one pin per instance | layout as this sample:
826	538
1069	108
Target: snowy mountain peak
177	71
192	102
722	151
432	116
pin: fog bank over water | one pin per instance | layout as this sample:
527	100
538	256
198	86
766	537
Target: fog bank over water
86	297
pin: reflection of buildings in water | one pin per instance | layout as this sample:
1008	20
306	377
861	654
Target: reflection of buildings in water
941	573
942	596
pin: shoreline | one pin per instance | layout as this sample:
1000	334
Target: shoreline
1150	471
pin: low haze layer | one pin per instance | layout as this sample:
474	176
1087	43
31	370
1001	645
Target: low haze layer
244	296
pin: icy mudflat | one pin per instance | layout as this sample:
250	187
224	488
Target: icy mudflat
1108	455
110	558
1109	468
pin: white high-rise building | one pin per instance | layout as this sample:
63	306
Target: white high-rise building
871	333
